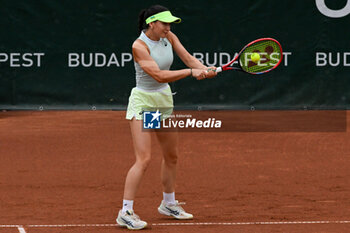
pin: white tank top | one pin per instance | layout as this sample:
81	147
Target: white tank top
162	53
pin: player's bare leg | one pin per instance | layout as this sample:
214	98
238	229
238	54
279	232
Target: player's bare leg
169	206
142	149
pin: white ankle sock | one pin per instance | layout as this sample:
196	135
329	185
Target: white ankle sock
169	198
127	205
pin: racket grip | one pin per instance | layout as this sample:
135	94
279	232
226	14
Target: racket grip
219	69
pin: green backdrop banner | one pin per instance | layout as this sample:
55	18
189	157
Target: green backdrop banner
60	54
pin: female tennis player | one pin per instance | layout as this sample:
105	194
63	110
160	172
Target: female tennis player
153	56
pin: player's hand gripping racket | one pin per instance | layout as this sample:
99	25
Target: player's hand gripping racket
258	57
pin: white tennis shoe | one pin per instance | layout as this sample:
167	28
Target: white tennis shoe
130	220
174	210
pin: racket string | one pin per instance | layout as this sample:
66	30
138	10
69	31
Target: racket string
267	49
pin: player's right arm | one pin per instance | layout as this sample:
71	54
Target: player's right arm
142	56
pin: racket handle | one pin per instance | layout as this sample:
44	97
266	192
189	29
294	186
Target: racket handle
219	69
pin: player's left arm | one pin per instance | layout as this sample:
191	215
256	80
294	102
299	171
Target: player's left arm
186	57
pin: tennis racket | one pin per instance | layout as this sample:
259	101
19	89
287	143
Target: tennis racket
269	50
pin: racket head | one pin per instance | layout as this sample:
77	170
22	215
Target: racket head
271	55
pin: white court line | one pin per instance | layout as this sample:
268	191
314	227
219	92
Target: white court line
250	223
22	230
9	226
72	225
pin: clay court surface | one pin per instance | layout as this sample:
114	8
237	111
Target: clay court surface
64	171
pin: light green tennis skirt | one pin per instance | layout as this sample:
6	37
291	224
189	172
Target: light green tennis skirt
141	101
